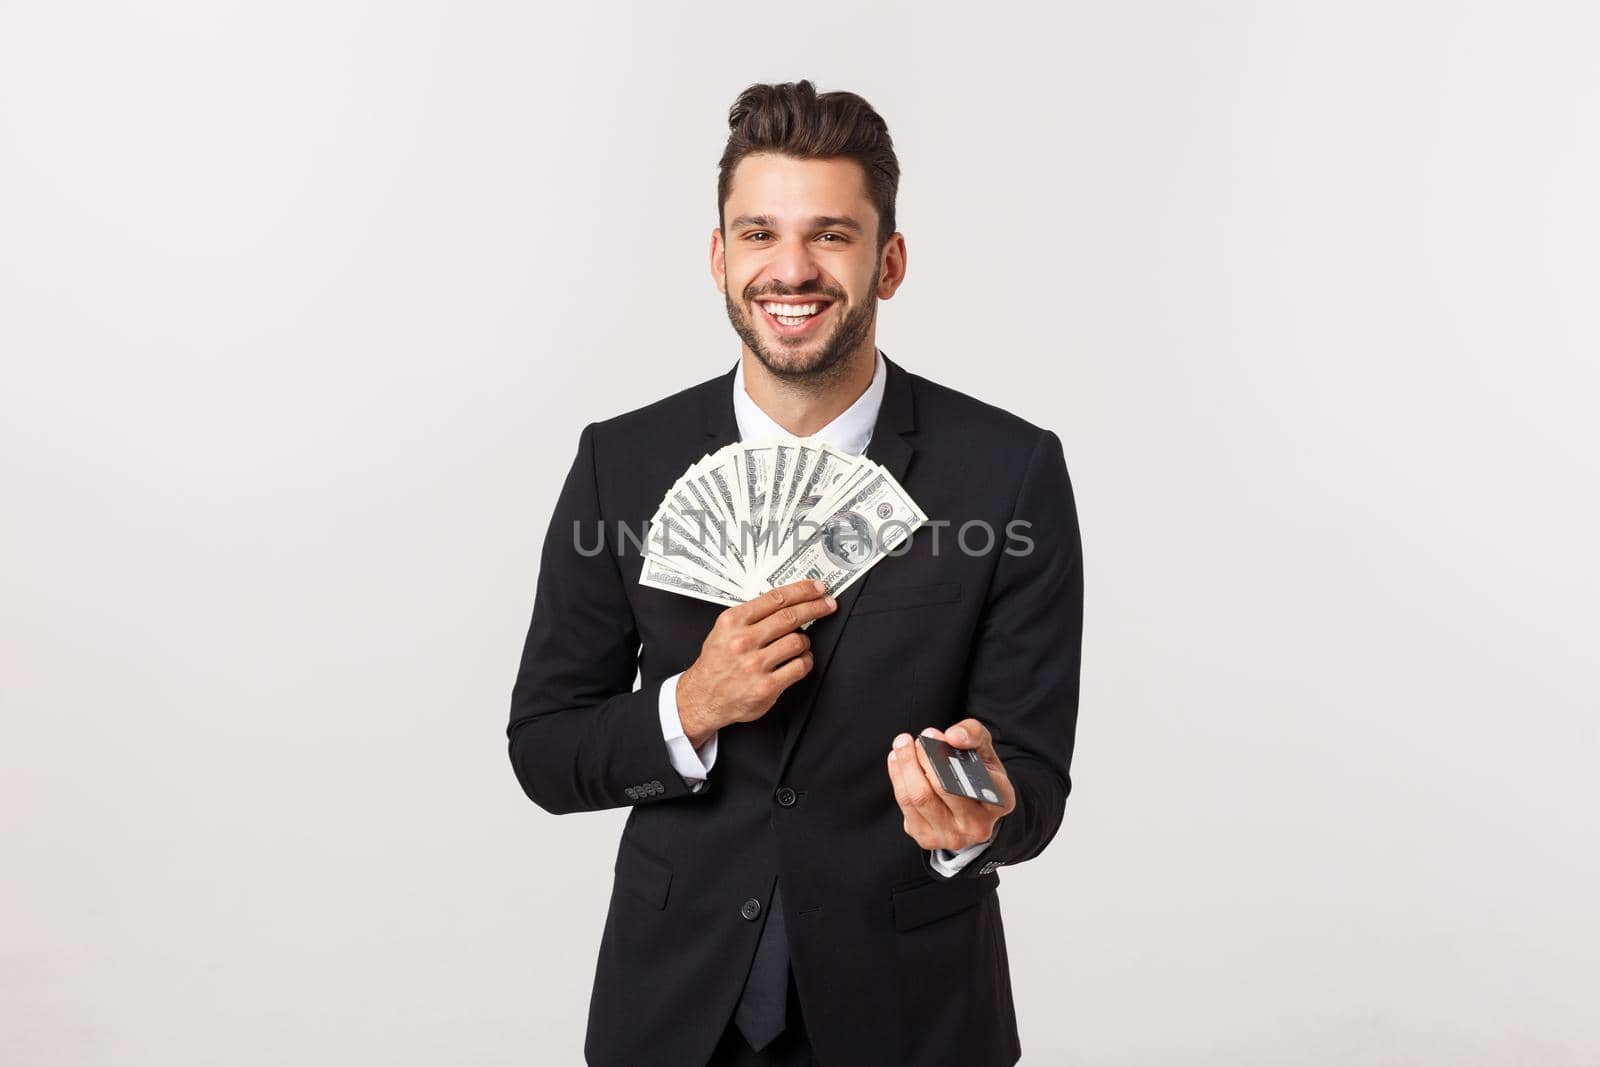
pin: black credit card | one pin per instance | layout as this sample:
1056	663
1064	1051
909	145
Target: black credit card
960	770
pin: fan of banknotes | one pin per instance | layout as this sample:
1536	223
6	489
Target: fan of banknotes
755	515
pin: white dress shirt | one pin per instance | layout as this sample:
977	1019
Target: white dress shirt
850	432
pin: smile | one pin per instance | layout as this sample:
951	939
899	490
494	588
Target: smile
793	318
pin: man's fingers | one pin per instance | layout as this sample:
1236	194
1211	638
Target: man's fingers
757	608
783	649
912	792
934	801
970	733
902	787
791	617
929	819
791	672
912	819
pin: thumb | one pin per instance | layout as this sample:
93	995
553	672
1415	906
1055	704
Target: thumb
980	740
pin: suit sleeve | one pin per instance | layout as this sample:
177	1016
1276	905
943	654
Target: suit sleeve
581	737
1023	677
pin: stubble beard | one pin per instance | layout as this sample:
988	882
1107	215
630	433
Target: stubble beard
832	356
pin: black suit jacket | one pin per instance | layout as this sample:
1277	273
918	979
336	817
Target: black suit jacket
894	964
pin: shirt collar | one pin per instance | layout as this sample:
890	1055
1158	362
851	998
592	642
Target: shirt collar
850	431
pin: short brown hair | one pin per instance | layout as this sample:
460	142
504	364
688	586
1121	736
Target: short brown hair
791	119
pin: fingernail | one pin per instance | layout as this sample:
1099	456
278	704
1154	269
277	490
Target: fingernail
929	731
958	735
832	603
902	740
821	587
891	755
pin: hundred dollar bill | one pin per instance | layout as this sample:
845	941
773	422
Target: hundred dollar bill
718	480
767	536
756	478
660	575
805	458
869	521
756	514
694	505
677	542
831	469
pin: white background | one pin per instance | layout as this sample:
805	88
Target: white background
302	308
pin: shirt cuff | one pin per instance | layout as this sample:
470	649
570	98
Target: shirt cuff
692	766
948	864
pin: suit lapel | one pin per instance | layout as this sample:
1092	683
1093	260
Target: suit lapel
716	399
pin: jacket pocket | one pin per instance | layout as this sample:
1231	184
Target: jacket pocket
642	874
914	596
919	905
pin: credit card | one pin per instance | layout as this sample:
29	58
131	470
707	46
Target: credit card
960	771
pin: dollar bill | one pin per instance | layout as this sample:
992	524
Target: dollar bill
755	515
660	575
848	538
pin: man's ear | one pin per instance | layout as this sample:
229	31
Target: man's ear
892	269
719	260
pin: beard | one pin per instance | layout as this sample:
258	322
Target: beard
814	361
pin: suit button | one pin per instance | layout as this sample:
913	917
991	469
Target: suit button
750	908
786	796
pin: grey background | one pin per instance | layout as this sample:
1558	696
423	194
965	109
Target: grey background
302	308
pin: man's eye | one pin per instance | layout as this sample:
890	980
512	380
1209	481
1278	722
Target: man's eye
835	238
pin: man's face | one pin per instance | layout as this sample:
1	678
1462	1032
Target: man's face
801	241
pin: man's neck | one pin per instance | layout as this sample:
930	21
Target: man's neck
806	407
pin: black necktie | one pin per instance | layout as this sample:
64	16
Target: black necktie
761	1011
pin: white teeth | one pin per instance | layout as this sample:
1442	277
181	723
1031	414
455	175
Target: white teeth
792	311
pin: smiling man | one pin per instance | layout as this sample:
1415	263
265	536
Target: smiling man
793	884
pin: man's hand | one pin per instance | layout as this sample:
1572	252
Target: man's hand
934	818
751	655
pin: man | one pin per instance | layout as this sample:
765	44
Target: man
792	884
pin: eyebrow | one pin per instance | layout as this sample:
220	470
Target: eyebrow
821	222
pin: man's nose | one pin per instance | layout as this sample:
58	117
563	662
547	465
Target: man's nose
793	264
